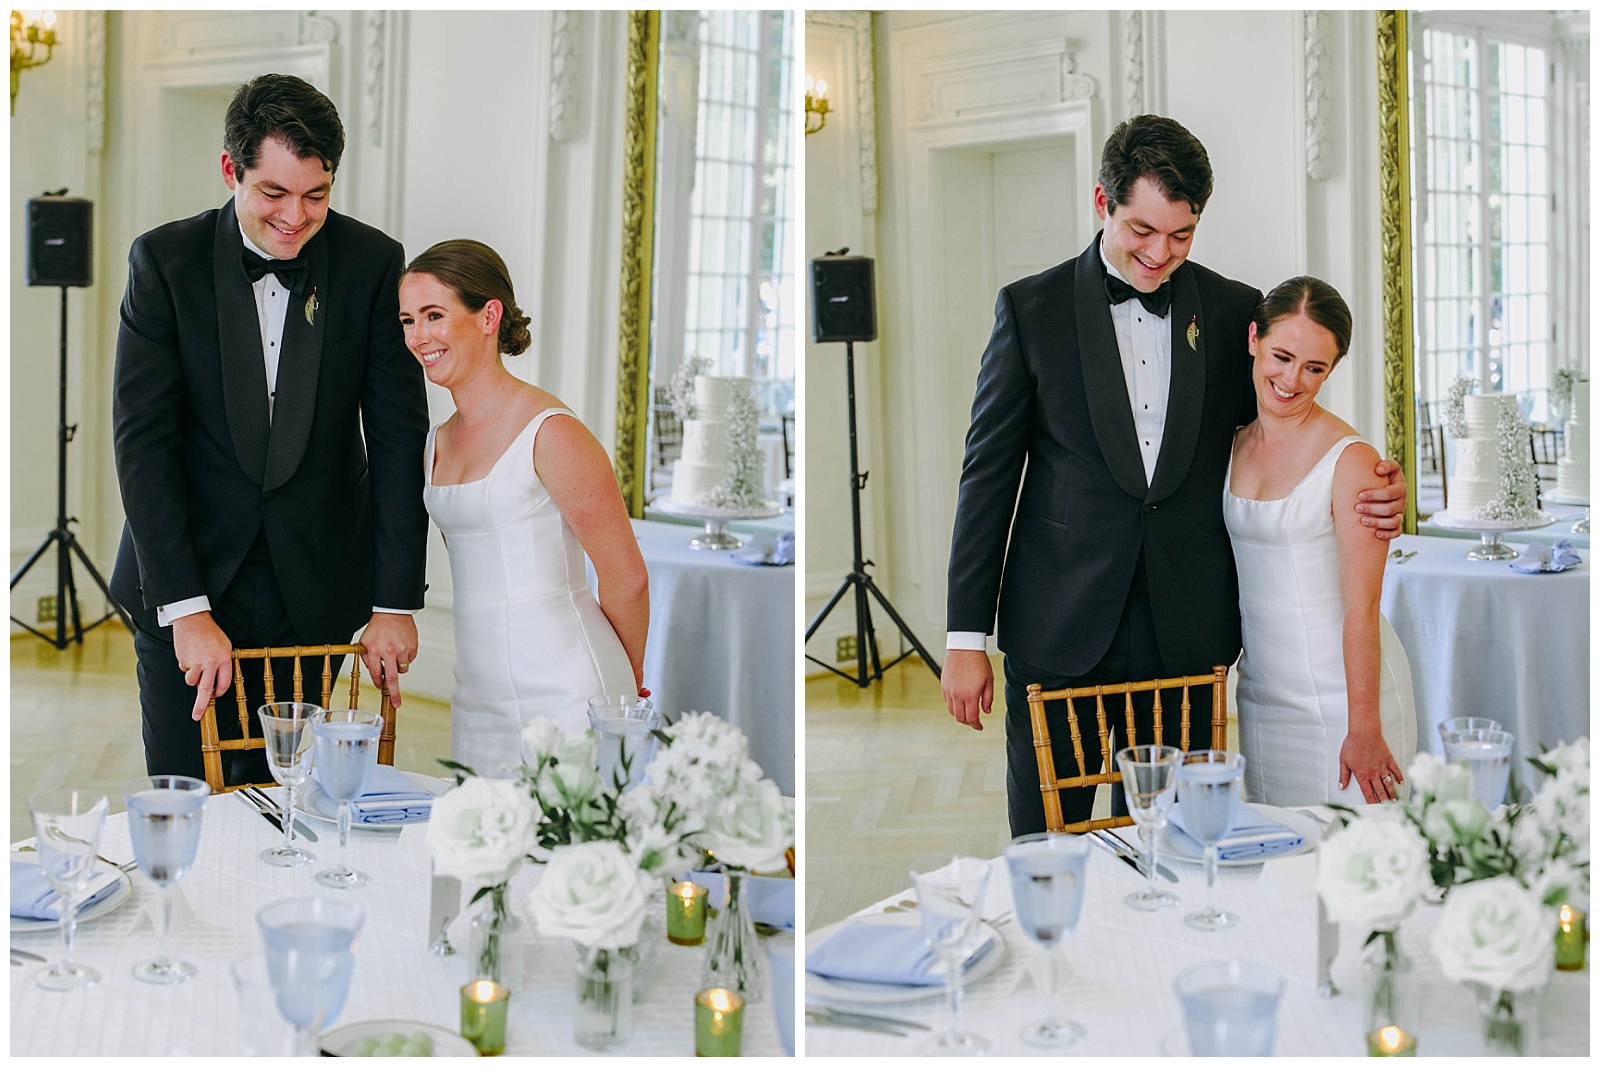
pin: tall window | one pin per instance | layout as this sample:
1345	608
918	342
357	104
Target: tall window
741	292
1481	136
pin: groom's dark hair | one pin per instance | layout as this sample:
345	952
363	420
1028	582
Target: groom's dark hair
1154	147
288	108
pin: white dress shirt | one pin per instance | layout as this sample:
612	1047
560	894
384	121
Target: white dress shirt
1145	343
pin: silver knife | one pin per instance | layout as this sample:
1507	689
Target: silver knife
24	954
300	827
819	1018
1126	854
853	1016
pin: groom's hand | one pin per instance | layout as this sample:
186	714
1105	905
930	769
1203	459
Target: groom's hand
205	656
390	643
968	684
1384	508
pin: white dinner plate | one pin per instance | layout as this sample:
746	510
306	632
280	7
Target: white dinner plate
117	898
841	991
342	1040
309	799
1309	829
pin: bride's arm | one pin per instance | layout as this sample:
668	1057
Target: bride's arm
576	470
1364	755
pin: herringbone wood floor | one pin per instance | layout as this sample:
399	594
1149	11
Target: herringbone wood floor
75	721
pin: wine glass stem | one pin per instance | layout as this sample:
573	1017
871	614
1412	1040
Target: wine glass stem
69	927
953	990
163	920
1052	979
288	817
344	834
1211	879
1149	833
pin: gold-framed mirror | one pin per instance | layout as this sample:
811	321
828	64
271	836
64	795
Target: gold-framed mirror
1484	217
709	197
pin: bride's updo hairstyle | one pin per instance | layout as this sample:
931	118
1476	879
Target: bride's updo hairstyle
476	274
1320	302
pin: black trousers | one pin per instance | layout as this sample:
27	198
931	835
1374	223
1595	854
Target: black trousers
1133	656
252	613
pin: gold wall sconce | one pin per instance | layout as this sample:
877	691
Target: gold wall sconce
30	32
816	105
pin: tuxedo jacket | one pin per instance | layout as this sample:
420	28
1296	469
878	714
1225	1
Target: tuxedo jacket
1054	509
332	479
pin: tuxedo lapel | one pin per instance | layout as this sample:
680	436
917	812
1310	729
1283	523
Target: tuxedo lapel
244	372
1187	395
299	368
1110	411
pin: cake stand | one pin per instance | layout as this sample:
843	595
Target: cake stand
1582	525
1492	530
716	536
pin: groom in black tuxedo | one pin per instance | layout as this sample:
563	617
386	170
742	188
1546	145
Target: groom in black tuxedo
1106	405
269	425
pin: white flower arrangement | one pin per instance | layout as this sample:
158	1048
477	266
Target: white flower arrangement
742	485
480	831
1561	383
1372	872
1454	414
1496	933
681	392
1518	497
593	892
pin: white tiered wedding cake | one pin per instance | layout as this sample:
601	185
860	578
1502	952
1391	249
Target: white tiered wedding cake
1572	470
1495	478
720	465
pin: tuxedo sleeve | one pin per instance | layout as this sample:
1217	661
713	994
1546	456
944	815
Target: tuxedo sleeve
148	428
394	418
991	473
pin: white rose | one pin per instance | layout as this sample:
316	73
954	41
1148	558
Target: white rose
1456	821
752	828
1371	873
1497	934
568	785
1432	777
540	738
593	893
480	830
1570	758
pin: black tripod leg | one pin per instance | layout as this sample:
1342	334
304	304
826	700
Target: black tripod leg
816	622
864	634
116	605
933	665
49	539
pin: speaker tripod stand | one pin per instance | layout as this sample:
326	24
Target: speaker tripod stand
858	580
63	538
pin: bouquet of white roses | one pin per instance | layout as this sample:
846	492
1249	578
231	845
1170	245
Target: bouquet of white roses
1371	872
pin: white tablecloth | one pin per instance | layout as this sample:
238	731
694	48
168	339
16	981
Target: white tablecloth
1121	964
395	976
722	640
1486	640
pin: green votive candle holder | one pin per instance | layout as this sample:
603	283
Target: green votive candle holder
1391	1041
1571	939
483	1015
686	913
718	1022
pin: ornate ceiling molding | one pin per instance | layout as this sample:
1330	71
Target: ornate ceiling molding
860	23
375	27
317	28
1317	30
998	80
1133	62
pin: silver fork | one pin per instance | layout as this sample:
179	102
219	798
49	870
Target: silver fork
123	867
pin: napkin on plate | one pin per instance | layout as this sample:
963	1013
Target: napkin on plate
390	798
1538	558
1254	836
888	953
770	900
32	896
767	551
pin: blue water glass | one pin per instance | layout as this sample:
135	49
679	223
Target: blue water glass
1230	1007
310	945
345	744
1487	754
625	741
165	814
1209	784
1048	875
780	958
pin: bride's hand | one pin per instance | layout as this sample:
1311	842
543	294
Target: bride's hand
1368	760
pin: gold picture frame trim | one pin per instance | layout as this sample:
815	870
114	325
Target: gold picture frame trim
1394	244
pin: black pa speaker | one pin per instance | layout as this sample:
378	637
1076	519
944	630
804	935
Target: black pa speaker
843	305
60	241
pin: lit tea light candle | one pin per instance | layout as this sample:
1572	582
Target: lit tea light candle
718	1022
686	913
1391	1041
1571	939
483	1016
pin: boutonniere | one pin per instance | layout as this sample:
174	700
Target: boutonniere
1193	335
312	304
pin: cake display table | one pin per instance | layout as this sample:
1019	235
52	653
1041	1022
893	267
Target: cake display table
1582	525
1493	545
716	536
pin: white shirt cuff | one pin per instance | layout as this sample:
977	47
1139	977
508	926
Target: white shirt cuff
971	640
397	611
167	614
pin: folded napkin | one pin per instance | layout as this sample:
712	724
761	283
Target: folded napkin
1254	836
390	797
888	953
1538	557
767	551
770	900
32	896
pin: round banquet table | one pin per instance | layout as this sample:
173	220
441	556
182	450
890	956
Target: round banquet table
395	976
722	640
1487	640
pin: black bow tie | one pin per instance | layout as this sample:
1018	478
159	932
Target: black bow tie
291	273
1156	303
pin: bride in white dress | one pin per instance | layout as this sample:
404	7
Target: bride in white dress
1324	700
521	491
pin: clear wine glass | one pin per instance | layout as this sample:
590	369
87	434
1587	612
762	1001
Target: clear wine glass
286	727
1450	726
1209	784
1048	872
67	825
624	726
950	903
310	946
164	820
346	744
1149	773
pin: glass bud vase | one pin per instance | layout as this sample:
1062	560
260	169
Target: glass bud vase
496	942
1389	996
604	1016
1510	1021
734	959
645	953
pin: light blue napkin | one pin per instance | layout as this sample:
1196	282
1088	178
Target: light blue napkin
32	896
1254	836
770	900
767	551
1540	558
390	798
876	952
